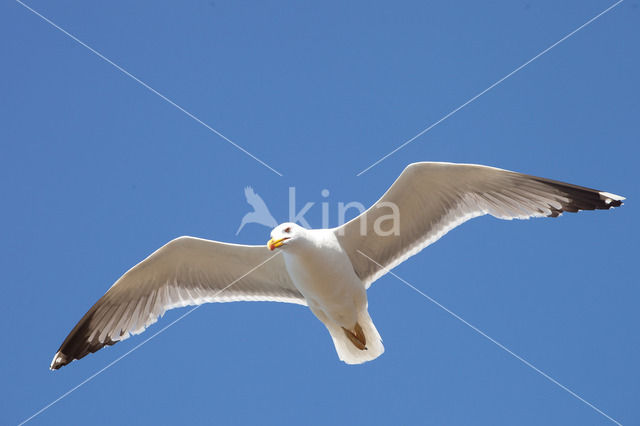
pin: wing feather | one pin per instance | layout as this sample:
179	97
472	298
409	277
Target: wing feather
185	271
433	198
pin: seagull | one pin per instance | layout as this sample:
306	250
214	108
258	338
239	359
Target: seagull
328	270
260	213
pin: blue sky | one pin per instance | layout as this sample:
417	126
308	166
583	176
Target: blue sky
97	172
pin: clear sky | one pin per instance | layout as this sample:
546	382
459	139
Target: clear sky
97	172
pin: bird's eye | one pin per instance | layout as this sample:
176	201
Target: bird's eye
287	230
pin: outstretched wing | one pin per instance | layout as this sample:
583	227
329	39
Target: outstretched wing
185	271
433	198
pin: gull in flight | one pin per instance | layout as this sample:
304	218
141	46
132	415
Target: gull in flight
328	270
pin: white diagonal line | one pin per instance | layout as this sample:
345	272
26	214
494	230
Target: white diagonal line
491	87
491	339
145	85
88	379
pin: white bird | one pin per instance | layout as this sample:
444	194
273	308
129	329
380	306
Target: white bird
260	213
328	270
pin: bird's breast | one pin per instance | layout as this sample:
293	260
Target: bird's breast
324	275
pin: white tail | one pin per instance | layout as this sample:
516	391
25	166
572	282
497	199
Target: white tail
347	351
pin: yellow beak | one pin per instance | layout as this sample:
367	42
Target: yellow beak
274	244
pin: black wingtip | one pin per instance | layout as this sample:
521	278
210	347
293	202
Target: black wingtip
59	360
582	198
611	200
82	340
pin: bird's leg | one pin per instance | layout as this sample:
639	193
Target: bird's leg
357	338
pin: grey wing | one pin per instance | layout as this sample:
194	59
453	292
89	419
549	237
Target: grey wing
433	198
185	271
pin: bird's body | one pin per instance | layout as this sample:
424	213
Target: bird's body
328	270
322	272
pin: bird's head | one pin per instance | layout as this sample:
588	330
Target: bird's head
285	234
